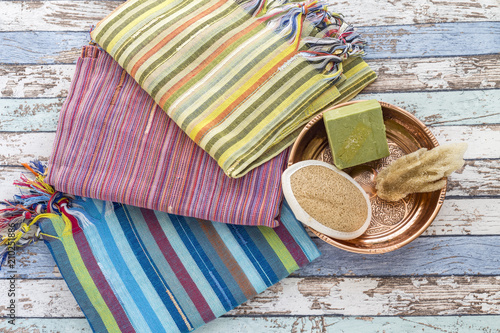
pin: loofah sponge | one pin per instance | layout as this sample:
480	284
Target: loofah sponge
421	171
327	199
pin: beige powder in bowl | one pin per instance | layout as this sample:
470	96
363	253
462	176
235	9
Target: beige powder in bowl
329	198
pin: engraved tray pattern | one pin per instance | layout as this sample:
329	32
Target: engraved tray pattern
385	214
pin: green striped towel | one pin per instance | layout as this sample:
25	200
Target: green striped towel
241	78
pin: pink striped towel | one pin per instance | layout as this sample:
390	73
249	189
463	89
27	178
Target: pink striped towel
114	143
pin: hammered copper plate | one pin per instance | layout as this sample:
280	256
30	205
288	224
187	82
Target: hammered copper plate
393	224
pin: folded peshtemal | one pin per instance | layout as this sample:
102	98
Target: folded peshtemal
114	143
139	270
241	78
133	269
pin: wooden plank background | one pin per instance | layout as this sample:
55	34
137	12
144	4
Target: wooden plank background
437	59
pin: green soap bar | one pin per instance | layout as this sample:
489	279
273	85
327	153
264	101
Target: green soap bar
356	133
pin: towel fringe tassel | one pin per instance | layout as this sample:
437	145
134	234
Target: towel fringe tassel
339	40
19	218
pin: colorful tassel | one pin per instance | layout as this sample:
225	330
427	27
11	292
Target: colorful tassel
338	40
19	218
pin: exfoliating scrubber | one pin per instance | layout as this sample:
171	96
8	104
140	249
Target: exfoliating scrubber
326	199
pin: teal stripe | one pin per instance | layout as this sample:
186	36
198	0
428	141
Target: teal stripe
213	277
100	252
106	255
298	232
268	252
214	257
61	258
239	255
163	266
149	268
190	265
135	268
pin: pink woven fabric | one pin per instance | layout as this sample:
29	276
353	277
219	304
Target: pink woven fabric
114	143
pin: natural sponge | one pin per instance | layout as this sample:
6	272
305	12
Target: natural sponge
421	171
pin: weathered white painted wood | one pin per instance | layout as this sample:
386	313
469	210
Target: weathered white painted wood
41	47
469	107
16	148
467	217
53	15
40	298
415	74
33	262
46	325
454	73
29	114
394	41
482	140
424	40
378	296
477	177
35	80
7	178
395	296
274	324
24	147
435	108
80	15
341	324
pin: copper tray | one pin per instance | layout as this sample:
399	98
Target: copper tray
393	224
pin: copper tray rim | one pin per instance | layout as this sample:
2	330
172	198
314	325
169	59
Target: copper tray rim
378	250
